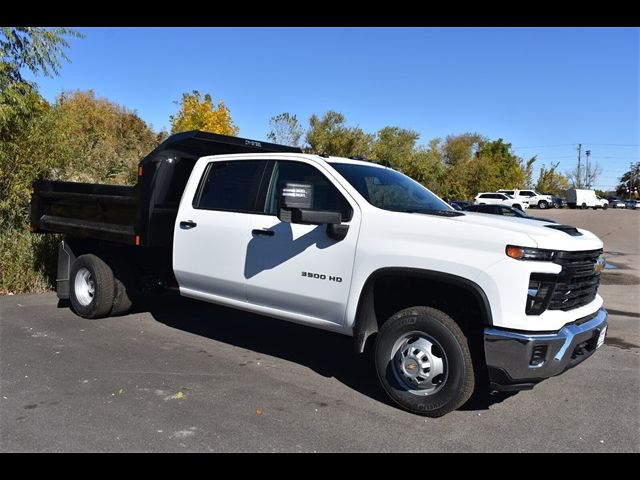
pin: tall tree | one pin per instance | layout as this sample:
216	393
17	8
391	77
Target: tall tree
37	50
629	185
78	138
394	145
528	171
551	181
583	178
285	130
199	113
329	134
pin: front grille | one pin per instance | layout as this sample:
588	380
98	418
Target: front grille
577	282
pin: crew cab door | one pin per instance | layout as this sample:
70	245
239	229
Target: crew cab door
295	268
213	229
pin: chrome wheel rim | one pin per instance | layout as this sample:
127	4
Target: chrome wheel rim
84	286
419	363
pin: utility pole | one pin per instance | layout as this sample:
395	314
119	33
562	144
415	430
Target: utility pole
579	179
587	175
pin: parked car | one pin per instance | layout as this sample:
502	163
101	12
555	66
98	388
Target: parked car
504	210
557	202
616	202
534	198
631	204
460	204
495	198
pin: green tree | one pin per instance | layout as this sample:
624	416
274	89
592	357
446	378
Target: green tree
504	169
196	112
458	152
285	130
629	185
394	145
78	138
37	50
551	181
329	134
528	171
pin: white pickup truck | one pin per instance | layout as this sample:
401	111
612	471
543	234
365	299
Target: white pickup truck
534	198
453	300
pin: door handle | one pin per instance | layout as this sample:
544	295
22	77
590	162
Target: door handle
263	231
189	224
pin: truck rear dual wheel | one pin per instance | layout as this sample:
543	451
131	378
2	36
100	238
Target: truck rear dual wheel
423	361
95	292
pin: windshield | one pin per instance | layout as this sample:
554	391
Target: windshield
390	190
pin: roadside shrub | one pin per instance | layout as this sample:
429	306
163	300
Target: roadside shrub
27	261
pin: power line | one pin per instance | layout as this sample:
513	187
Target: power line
616	144
549	146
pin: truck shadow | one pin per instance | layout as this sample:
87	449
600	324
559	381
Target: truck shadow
328	354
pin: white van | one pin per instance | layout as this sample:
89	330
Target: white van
582	198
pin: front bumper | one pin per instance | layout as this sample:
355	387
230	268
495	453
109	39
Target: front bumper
518	360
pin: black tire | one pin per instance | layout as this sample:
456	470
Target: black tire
448	342
605	206
99	303
584	206
125	289
542	204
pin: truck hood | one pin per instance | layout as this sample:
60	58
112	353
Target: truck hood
537	230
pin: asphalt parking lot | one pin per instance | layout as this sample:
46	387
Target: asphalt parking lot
187	376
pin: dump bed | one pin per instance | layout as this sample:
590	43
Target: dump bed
143	214
105	212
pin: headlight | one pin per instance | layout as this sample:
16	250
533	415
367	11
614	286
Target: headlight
527	253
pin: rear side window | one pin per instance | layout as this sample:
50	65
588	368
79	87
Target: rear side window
485	195
230	186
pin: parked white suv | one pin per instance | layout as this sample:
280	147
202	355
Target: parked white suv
495	198
534	198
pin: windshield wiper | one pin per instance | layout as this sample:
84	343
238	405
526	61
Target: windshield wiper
447	213
442	213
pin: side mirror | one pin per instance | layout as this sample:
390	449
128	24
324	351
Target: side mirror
296	206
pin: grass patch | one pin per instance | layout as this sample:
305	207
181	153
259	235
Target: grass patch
27	261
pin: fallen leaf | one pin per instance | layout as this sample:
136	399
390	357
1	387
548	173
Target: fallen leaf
120	391
178	395
258	411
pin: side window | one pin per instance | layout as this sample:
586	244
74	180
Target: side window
509	192
484	195
527	193
325	195
500	197
230	186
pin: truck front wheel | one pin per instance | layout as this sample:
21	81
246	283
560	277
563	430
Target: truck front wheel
92	287
423	361
542	204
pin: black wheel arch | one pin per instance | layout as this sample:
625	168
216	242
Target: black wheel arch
367	321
